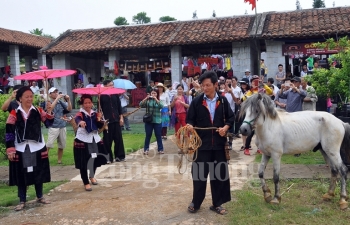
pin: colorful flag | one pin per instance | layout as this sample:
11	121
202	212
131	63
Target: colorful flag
251	2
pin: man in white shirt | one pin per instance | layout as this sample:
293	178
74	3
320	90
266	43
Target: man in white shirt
184	82
247	75
232	93
270	81
35	89
124	100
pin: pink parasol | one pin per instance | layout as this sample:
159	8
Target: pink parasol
44	74
99	91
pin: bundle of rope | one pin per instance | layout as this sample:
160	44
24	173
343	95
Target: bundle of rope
189	141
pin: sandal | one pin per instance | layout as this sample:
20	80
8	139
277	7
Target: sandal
42	200
20	206
191	208
88	187
219	210
93	181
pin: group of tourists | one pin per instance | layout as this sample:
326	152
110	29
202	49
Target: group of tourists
196	102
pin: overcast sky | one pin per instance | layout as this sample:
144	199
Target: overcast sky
57	16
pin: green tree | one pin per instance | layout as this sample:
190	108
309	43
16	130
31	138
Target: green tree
120	21
40	32
141	18
37	31
336	80
166	19
318	4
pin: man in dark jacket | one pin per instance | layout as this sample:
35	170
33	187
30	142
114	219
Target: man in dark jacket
210	110
112	111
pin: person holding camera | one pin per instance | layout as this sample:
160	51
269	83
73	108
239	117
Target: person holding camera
154	107
295	95
57	131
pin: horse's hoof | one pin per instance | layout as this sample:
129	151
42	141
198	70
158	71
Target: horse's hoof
327	197
268	199
275	201
343	204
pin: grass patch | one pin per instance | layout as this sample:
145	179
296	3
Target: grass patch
309	157
133	140
9	193
302	204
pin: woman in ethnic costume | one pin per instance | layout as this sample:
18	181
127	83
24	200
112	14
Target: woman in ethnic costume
25	147
89	152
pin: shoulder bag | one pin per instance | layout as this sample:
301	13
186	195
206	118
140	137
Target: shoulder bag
148	117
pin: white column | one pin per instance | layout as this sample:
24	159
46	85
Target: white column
28	63
64	84
41	59
14	62
241	54
273	57
3	59
176	64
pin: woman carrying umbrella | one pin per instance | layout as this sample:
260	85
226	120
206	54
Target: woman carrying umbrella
25	147
88	149
166	110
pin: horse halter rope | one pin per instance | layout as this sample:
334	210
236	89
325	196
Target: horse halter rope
250	122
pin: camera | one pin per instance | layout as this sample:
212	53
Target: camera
229	85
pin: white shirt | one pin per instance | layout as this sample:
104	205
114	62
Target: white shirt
124	102
275	90
35	89
164	98
11	79
237	93
83	135
33	145
303	74
184	83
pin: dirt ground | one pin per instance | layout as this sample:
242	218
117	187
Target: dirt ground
142	190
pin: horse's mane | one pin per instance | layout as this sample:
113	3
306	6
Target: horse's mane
261	103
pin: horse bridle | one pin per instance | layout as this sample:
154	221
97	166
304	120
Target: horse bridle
250	122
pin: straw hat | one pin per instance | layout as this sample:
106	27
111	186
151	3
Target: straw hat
161	85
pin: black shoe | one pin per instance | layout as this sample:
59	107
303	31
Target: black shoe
128	129
297	155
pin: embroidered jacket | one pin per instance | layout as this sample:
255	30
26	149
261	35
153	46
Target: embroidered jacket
198	115
20	129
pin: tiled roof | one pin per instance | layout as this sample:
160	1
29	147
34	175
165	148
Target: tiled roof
214	30
21	38
310	22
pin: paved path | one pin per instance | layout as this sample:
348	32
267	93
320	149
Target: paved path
142	190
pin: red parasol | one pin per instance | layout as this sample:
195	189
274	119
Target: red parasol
44	74
99	91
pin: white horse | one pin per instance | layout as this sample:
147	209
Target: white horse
279	132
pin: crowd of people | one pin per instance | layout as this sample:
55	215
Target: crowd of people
200	101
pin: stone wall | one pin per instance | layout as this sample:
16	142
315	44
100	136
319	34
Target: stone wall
241	55
273	57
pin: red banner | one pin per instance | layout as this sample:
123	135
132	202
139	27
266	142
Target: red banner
251	2
306	49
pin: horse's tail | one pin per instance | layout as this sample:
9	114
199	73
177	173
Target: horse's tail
345	146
